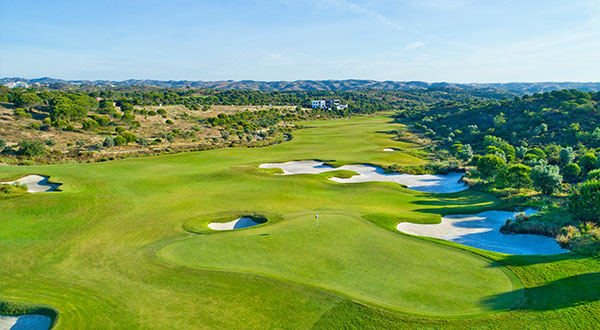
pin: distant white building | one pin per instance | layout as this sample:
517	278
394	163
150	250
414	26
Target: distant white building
328	104
318	104
17	84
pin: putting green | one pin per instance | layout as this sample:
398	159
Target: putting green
354	257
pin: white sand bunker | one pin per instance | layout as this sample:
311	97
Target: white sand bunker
35	183
447	183
25	322
391	149
483	231
243	222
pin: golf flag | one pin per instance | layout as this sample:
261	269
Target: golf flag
317	217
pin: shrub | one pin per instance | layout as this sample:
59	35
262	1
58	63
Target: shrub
571	171
490	166
518	176
567	155
89	124
31	148
593	175
120	141
169	121
20	113
108	142
534	154
142	141
587	162
2	144
120	129
546	178
129	137
585	201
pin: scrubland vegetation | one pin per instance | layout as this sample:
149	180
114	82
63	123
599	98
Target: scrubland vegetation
538	151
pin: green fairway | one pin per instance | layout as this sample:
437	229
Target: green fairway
110	250
353	257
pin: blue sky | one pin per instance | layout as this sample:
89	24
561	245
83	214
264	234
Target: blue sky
435	40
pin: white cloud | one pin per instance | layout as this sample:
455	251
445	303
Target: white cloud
414	45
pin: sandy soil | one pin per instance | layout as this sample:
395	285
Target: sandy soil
448	183
25	322
483	231
235	224
35	183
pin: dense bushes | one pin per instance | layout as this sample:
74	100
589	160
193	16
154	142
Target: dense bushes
31	148
585	201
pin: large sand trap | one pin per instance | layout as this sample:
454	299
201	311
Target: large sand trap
448	183
25	322
243	222
35	183
483	231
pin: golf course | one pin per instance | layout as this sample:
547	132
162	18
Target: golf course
126	244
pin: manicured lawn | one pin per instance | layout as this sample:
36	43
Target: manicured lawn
108	252
356	258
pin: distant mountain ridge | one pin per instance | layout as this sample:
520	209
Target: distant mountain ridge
315	85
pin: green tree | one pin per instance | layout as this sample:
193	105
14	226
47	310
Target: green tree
587	162
518	176
28	100
594	175
535	154
546	178
585	202
490	166
107	107
567	155
466	153
509	152
89	124
571	171
520	152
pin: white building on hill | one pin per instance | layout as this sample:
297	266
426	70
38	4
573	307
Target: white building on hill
328	104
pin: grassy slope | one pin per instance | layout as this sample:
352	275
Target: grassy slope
89	251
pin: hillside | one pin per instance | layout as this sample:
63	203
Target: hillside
537	151
520	88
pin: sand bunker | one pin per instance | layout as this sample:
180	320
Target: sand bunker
483	231
243	222
35	183
447	183
391	149
25	322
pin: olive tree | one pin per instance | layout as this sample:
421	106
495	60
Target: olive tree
546	178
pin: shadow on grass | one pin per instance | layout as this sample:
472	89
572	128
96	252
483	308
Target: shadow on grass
458	203
522	261
563	293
